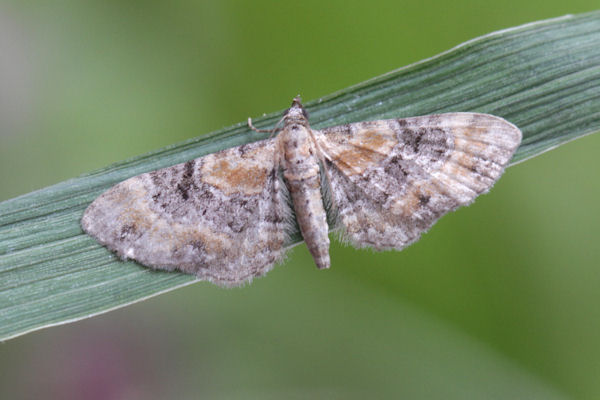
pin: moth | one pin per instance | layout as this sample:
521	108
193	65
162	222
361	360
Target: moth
226	217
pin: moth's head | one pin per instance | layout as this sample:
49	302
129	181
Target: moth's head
296	113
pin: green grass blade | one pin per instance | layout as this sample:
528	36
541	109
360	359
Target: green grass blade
543	77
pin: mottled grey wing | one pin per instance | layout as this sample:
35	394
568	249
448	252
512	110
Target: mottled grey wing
220	217
391	180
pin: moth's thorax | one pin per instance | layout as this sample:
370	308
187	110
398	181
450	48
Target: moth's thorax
299	152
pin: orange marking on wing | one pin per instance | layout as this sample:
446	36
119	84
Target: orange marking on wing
372	139
463	165
140	220
239	178
416	197
247	174
214	242
129	195
475	132
466	158
364	150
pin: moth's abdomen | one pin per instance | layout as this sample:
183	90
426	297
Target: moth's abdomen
311	217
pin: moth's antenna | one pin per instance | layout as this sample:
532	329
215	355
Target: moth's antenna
271	131
259	130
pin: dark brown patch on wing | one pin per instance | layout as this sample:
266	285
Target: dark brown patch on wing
187	180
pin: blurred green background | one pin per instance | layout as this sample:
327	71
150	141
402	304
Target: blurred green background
499	300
